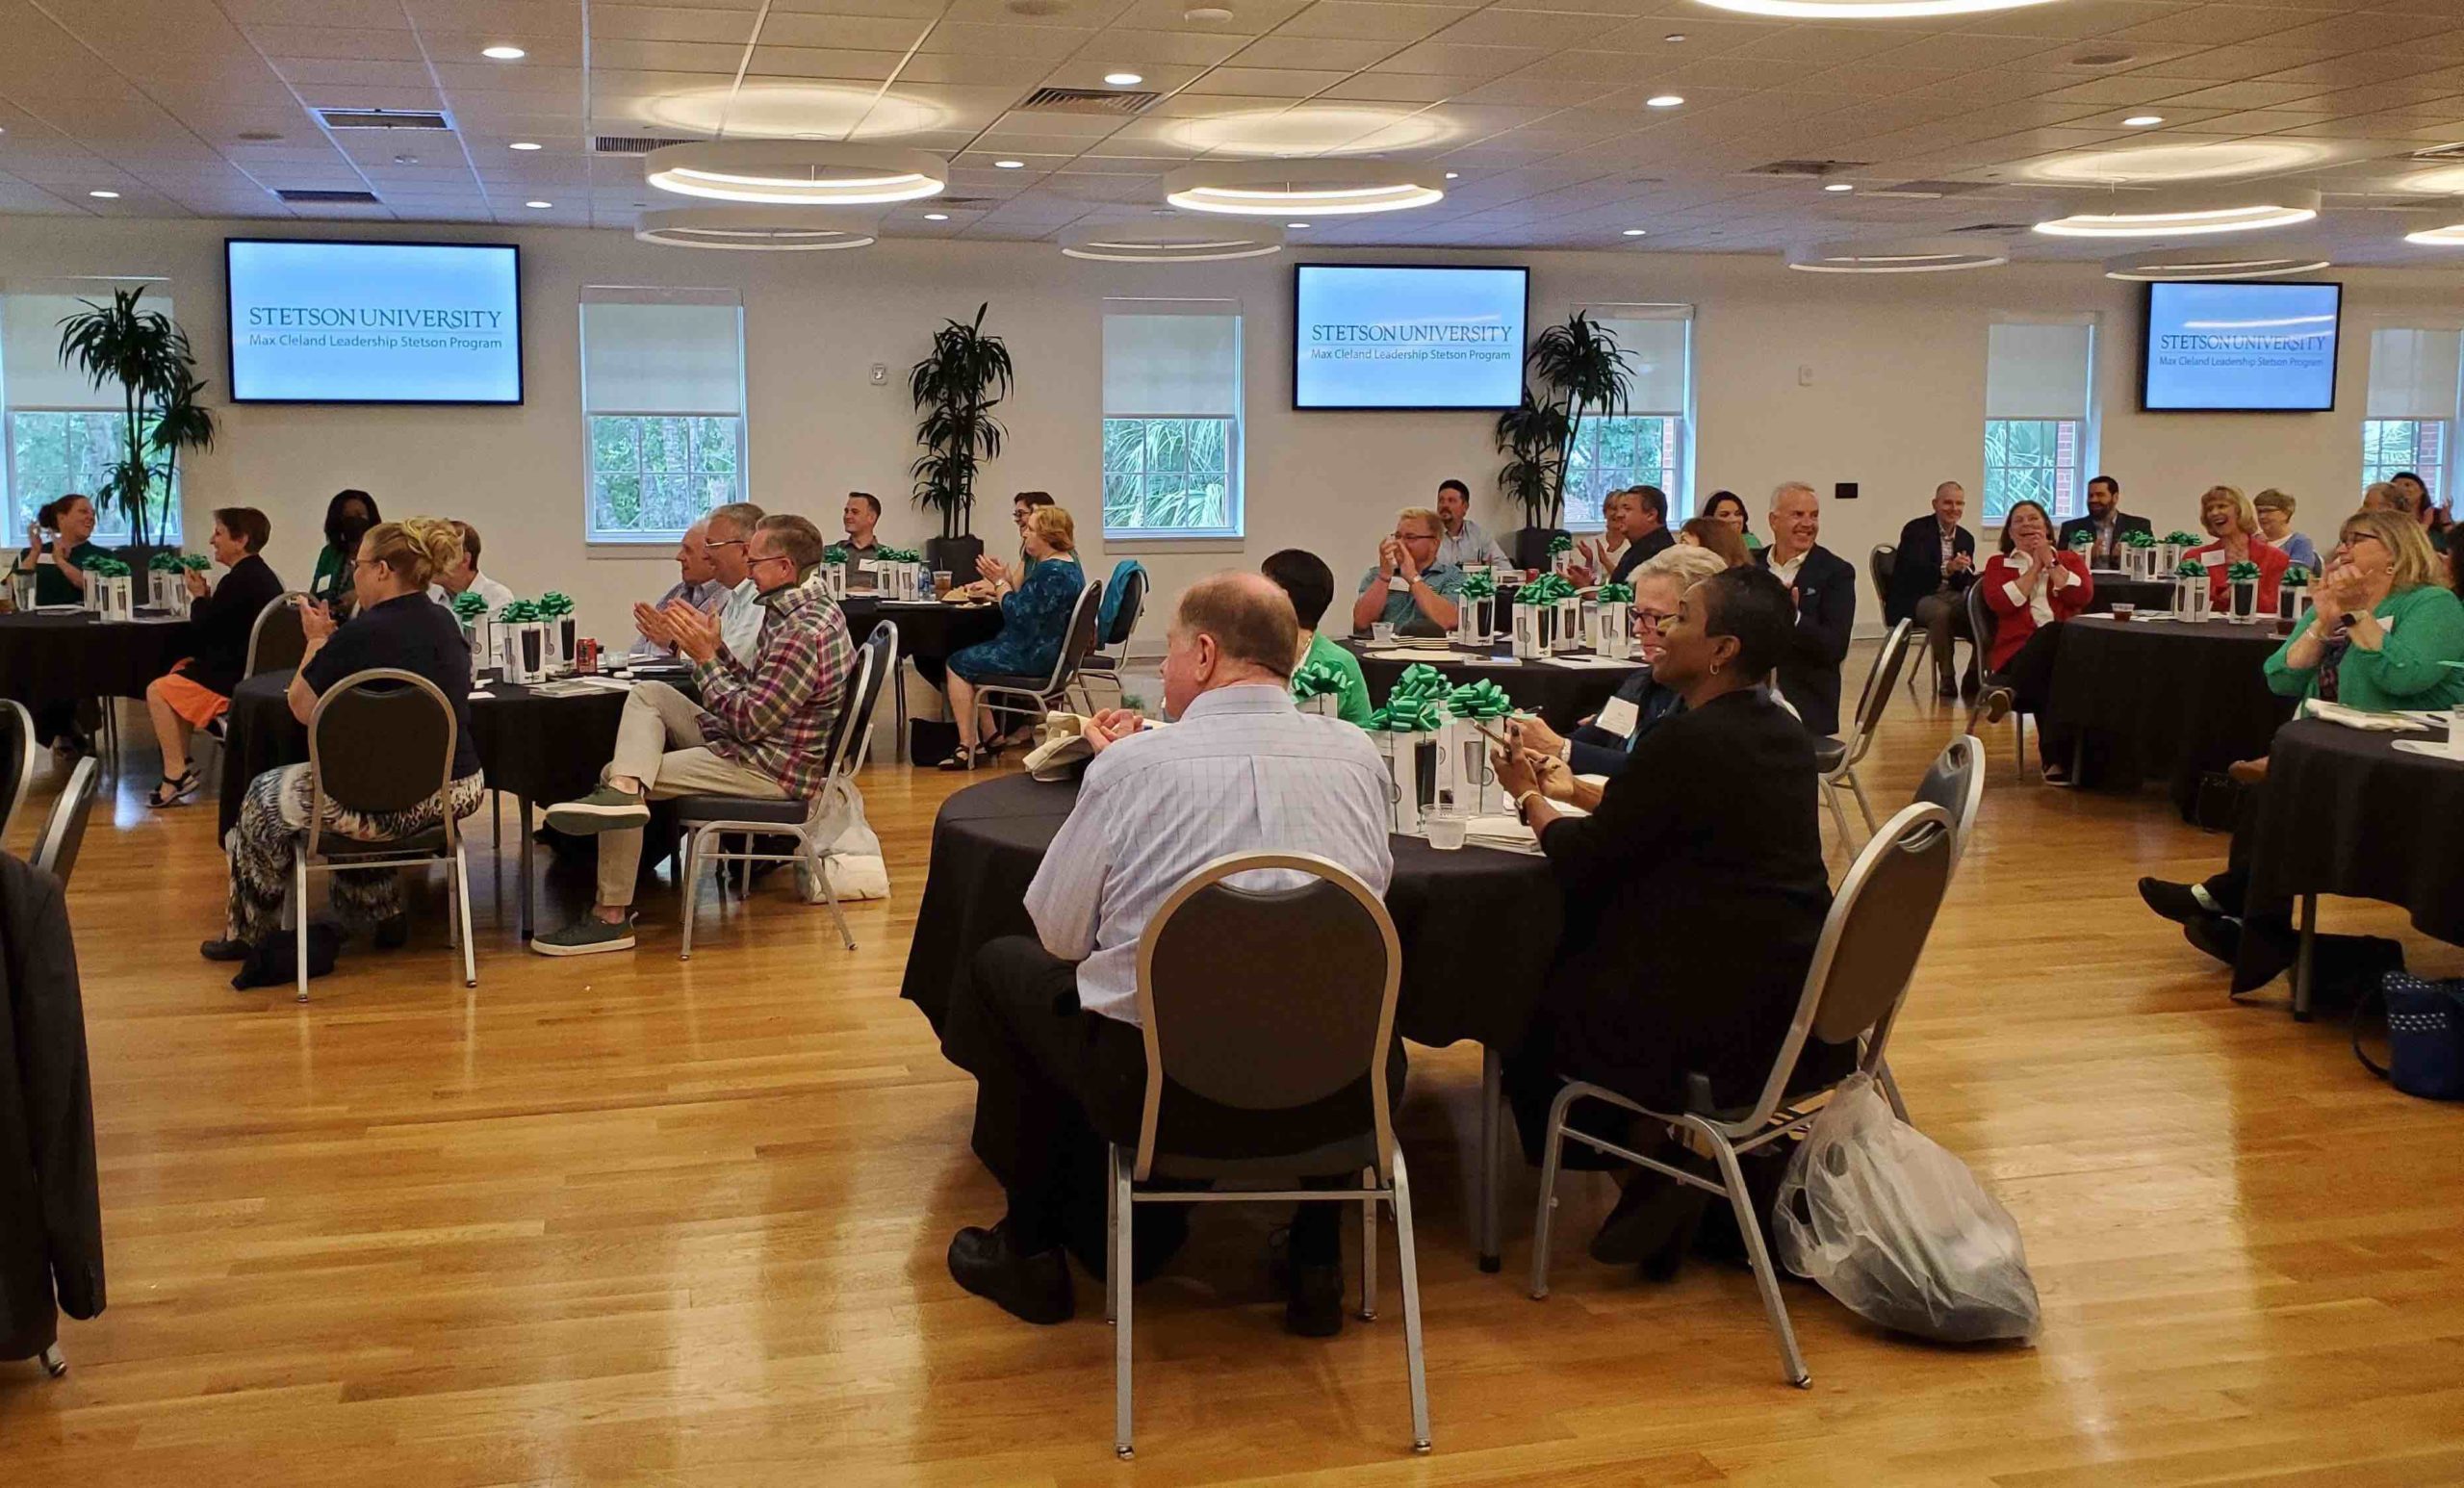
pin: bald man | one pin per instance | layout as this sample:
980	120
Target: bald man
1824	588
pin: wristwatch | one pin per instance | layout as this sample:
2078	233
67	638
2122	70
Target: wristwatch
1523	805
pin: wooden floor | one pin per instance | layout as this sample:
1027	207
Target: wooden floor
626	1221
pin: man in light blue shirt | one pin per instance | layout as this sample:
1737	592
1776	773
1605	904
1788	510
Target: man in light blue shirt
697	584
730	531
1408	585
1049	1025
1460	540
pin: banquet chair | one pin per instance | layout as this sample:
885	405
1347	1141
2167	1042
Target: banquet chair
703	822
371	740
1981	624
16	761
1955	782
1838	758
1880	565
276	642
1257	1002
1037	695
1106	663
65	831
1871	940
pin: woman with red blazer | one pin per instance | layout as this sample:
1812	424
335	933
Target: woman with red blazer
2231	519
2031	586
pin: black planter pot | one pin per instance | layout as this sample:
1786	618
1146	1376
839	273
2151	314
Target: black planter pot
953	555
1531	547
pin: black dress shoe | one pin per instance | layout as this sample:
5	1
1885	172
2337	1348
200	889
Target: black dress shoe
223	950
1647	1213
1030	1287
2176	902
2217	934
392	935
1313	1292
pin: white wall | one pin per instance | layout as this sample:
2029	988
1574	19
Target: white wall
1895	401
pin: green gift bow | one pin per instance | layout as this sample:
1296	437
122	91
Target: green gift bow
164	563
2083	540
1317	679
106	568
1547	589
195	562
835	553
2244	572
2140	540
470	604
1419	681
1560	542
518	612
2186	539
1480	586
897	555
555	604
1406	715
1478	700
2298	577
1615	594
2190	568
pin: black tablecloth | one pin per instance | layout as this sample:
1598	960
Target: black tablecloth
1477	926
2348	813
535	747
2166	699
62	658
2148	593
1562	696
926	628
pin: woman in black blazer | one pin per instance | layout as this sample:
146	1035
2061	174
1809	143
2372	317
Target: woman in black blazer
1694	896
197	692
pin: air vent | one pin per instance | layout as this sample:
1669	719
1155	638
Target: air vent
631	144
1088	100
311	198
1993	228
1926	191
1807	168
384	119
2453	151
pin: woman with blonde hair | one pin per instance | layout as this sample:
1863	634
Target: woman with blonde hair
2234	523
1035	625
396	626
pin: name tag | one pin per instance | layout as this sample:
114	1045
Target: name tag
1618	717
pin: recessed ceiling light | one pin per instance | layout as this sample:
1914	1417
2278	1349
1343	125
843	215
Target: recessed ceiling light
104	195
2143	120
2189	214
1864	9
1010	165
523	144
1663	101
1674	37
1124	79
1296	224
1206	15
1452	175
503	53
795	173
1839	185
1636	232
937	216
539	204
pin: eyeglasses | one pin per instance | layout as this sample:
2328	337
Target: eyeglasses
1653	619
733	542
756	561
2348	539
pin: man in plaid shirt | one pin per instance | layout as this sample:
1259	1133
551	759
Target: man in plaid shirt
761	729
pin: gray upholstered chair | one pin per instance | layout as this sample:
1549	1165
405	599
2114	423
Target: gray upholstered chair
1955	782
17	751
1038	694
1106	663
1268	1013
63	832
703	823
372	739
1839	760
1878	925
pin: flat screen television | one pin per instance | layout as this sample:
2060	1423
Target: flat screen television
2251	345
323	321
1381	336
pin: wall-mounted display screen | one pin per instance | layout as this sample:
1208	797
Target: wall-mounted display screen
2255	345
375	322
1375	336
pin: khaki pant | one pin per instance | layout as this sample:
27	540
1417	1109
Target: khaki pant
659	742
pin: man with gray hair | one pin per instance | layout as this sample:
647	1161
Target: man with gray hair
729	543
696	583
1823	587
1048	1024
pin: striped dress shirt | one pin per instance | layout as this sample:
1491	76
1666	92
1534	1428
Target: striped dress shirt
1244	771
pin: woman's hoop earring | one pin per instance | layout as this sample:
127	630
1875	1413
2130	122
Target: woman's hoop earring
1715	668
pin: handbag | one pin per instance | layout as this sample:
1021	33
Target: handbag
2425	1034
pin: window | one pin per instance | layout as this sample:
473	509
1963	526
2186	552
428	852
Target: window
1644	442
1172	419
64	434
663	401
2039	416
2410	423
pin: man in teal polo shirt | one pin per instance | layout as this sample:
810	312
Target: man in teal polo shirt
1408	585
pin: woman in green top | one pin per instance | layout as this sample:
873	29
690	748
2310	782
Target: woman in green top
1304	576
348	518
58	567
2384	627
1726	506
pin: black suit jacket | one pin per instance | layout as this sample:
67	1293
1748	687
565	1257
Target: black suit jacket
218	625
1641	550
1917	570
51	1221
2124	524
1826	613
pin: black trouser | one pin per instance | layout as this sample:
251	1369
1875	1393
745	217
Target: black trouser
1055	1084
2269	942
2029	675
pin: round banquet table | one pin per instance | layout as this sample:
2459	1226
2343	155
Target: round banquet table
69	657
2347	813
1477	927
1561	695
2166	698
2149	594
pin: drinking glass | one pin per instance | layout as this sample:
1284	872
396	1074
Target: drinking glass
1382	633
1447	834
941	584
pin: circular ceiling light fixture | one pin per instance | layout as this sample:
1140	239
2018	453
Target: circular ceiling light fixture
1206	15
795	173
1271	188
2154	164
747	229
1866	10
502	53
1176	240
2208	264
2439	237
2189	214
1664	101
1124	79
1913	256
1309	130
2143	120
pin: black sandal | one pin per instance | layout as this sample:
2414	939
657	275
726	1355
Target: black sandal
180	789
963	759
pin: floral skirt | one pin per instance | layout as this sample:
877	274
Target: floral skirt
266	840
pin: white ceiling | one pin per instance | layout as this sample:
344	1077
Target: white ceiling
1538	107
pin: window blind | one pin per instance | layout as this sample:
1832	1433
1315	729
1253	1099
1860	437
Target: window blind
668	354
2037	371
30	373
2413	373
1653	339
1165	366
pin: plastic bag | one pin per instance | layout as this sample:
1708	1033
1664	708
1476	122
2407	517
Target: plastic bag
1898	1229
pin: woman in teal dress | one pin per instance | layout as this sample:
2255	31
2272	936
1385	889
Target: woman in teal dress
1035	623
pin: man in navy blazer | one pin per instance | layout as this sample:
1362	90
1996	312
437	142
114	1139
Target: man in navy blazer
1824	588
1929	578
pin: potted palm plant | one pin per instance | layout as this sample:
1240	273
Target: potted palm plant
956	388
1578	371
148	356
